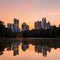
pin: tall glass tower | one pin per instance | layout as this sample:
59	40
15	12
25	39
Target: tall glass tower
16	25
43	23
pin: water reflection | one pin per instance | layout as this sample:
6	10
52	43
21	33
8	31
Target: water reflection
42	49
40	45
25	46
14	47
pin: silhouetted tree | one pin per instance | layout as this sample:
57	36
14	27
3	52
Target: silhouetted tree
53	32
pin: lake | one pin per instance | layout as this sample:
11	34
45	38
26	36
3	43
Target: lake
29	49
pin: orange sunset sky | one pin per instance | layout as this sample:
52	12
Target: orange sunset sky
30	11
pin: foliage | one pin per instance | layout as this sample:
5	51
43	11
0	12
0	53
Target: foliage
5	32
53	32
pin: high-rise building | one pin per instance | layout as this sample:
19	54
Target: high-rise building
48	25
25	27
44	23
10	26
16	25
38	25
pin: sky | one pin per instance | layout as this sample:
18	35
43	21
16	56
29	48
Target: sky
30	11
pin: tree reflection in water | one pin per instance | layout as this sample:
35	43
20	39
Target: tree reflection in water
41	45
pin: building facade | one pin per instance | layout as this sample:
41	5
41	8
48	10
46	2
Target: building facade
42	24
48	25
38	25
25	27
16	25
10	26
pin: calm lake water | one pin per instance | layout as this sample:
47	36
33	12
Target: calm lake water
30	49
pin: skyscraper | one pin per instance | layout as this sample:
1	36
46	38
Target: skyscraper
25	27
16	25
10	26
44	23
48	25
38	25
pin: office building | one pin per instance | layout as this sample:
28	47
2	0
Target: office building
25	27
10	26
38	25
48	25
44	23
16	25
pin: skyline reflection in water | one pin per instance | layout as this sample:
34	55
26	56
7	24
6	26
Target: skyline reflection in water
33	48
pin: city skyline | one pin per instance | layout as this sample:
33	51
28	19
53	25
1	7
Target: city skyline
29	11
44	24
38	24
14	26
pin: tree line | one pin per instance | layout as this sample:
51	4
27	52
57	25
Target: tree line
5	32
53	32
